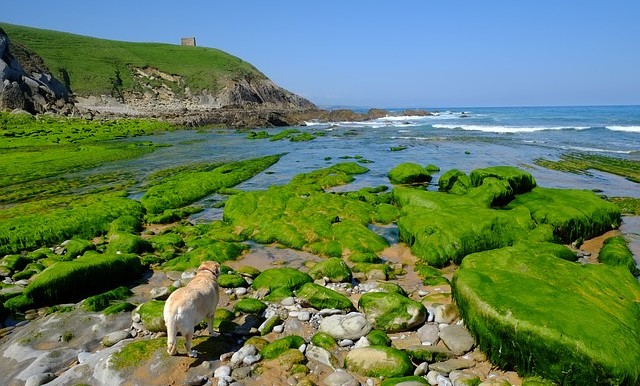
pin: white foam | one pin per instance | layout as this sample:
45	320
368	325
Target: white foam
629	129
596	150
505	129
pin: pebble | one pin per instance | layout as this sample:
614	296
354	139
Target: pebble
40	379
222	371
251	359
457	338
304	316
290	301
421	369
241	291
345	343
340	378
244	351
432	377
443	381
279	328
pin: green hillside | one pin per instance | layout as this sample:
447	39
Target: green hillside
92	63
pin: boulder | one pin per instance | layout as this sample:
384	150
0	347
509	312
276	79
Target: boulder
352	326
544	315
334	269
151	315
273	278
457	338
320	297
409	173
391	312
378	361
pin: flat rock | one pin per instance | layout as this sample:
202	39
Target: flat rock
340	378
115	337
352	326
457	338
452	364
429	334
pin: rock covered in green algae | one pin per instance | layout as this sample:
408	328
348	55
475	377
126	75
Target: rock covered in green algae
391	312
443	227
128	243
570	323
151	315
519	180
301	215
412	380
409	173
334	269
378	361
250	306
615	251
229	280
321	297
280	346
273	278
573	214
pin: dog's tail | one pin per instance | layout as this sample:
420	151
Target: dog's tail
170	322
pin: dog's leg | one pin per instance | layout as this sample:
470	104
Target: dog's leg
187	345
210	325
172	347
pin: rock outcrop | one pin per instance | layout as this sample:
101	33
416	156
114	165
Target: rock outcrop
27	84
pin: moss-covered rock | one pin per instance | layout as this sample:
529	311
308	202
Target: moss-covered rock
431	354
77	247
567	322
335	269
412	380
279	346
615	251
248	271
320	297
166	241
409	173
519	180
391	312
103	300
324	340
126	223
454	181
373	271
273	278
574	214
151	315
250	306
203	250
229	280
128	243
278	293
70	280
378	361
444	227
378	338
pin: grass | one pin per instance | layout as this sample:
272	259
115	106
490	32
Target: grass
198	68
567	322
582	163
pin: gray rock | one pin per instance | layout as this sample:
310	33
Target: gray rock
432	377
115	337
421	369
222	371
238	356
457	338
321	355
428	334
251	359
39	379
452	364
159	293
340	378
198	380
351	326
446	313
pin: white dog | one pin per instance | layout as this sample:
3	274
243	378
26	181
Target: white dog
188	306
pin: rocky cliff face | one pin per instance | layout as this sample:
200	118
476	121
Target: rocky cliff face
27	84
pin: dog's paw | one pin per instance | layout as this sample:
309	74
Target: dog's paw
193	354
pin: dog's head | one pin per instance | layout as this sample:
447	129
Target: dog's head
210	266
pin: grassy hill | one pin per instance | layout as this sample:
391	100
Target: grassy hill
92	63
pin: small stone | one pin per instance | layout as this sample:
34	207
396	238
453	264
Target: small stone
136	317
115	337
443	381
222	371
289	301
279	328
340	378
345	343
452	364
251	359
241	291
22	283
362	342
197	381
428	334
177	284
432	377
423	293
159	293
304	316
239	355
446	313
421	369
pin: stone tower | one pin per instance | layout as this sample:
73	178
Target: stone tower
188	42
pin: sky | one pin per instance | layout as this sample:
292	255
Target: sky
405	53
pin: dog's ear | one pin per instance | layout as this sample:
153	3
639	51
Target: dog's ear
216	269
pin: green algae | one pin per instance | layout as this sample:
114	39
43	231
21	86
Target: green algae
70	280
335	269
519	180
189	186
134	353
231	281
582	163
324	340
31	225
567	322
250	306
379	361
321	297
409	173
103	300
203	250
392	312
151	315
273	278
378	338
615	251
280	346
573	214
123	242
302	216
412	380
445	227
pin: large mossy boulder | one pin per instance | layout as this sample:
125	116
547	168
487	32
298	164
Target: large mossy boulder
122	242
570	323
378	361
391	312
273	278
151	315
443	227
454	181
573	214
519	180
334	269
409	173
320	297
280	346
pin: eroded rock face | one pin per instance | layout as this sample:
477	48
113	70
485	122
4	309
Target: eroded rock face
29	86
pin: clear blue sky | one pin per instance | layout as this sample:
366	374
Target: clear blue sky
415	53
